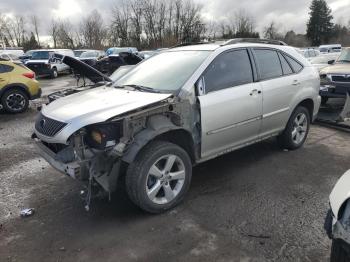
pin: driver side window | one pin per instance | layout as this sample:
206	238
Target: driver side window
229	69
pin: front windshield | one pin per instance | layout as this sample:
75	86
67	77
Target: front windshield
167	71
324	50
40	55
344	56
89	54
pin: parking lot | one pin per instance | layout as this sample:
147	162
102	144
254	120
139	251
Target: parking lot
256	204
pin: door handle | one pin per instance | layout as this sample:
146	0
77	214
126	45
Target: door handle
295	83
255	91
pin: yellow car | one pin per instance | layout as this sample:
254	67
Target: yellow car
17	86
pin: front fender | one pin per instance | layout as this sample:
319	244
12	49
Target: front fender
156	125
340	193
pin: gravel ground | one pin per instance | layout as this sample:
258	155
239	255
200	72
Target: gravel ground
256	204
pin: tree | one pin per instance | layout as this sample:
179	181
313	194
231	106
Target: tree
93	31
271	32
319	26
35	23
244	25
31	43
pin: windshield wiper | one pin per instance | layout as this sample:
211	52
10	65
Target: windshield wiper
347	61
143	88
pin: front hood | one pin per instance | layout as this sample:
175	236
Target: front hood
340	193
95	106
337	69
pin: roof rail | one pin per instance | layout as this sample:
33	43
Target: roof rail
192	43
254	40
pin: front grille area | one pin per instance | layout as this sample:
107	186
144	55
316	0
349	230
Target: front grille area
47	126
342	79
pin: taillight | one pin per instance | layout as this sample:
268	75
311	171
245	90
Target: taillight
30	75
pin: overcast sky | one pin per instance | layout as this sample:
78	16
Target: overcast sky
287	14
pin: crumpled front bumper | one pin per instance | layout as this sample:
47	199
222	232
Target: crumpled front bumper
71	169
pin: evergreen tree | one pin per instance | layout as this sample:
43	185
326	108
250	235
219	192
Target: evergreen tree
319	26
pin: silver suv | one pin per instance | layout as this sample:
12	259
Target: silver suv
179	108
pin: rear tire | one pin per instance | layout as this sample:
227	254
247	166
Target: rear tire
338	251
15	101
297	129
158	179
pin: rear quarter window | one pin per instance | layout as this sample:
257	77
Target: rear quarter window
5	68
296	66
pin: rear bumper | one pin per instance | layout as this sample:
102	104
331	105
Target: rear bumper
36	96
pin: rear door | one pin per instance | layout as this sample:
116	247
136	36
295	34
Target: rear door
279	84
231	107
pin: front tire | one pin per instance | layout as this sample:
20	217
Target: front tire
159	177
15	101
297	129
54	73
339	252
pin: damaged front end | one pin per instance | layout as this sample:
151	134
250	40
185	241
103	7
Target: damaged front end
98	153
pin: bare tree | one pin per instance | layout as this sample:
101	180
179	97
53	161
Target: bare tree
271	32
35	24
93	31
245	26
54	30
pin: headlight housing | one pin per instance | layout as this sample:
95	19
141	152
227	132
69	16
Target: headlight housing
102	136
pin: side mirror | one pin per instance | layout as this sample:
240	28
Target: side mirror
200	86
331	62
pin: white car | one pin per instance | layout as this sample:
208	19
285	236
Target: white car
43	63
324	60
174	110
333	48
337	222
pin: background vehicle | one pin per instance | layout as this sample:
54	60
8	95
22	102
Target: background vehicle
78	52
337	224
109	64
10	57
117	50
335	83
17	51
17	87
26	56
324	60
43	63
309	52
330	48
147	54
183	106
91	57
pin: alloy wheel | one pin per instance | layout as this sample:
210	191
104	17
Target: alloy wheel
165	179
15	101
300	126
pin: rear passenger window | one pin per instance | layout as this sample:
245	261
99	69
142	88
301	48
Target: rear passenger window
297	67
227	70
5	68
287	70
268	63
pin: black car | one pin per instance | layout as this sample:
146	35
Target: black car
109	64
91	57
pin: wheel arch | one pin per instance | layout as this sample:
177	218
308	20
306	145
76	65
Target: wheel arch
308	103
160	127
18	86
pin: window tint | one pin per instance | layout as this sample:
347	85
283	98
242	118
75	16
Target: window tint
297	67
227	70
287	70
5	68
269	63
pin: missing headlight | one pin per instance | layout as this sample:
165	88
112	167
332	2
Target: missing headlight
103	135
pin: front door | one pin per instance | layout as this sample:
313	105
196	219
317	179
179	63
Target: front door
231	107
